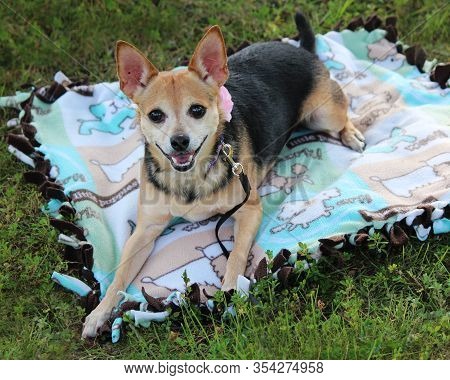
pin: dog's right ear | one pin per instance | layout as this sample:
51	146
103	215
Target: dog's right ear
133	69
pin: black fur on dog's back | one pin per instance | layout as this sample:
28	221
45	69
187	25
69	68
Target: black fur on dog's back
269	82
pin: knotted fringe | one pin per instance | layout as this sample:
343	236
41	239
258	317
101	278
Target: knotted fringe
79	257
415	55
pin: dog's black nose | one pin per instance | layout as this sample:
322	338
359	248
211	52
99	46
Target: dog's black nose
179	142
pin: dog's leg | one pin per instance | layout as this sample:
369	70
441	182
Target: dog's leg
326	110
247	221
135	253
353	138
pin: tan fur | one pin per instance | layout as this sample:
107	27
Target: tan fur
326	110
174	92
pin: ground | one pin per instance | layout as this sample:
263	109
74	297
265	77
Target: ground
376	303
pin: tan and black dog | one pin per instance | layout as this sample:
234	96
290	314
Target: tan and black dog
273	85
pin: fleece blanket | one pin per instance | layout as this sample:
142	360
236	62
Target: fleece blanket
85	147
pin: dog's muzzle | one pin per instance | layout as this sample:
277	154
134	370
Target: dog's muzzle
181	159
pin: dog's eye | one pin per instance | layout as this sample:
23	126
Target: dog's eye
197	111
157	116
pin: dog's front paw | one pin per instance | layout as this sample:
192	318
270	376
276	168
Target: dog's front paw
95	321
353	139
229	282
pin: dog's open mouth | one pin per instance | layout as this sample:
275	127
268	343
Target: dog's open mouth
182	161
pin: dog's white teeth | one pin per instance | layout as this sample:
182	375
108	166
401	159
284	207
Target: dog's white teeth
182	160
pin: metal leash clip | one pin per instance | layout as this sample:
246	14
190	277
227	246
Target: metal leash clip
236	167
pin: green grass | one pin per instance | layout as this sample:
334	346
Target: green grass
373	304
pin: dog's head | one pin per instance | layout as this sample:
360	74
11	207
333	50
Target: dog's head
179	110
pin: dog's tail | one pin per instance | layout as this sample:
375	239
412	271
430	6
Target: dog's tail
306	33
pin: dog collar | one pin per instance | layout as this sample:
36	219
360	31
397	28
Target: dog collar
216	156
227	150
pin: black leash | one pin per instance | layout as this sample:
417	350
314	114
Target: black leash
238	171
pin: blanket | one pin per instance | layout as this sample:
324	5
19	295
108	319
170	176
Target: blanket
84	147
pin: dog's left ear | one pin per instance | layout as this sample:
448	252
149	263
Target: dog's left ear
210	57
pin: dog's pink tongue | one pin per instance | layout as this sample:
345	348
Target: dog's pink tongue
181	159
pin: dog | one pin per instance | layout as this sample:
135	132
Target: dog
274	86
